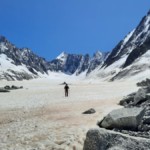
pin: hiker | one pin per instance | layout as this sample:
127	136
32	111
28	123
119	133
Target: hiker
66	90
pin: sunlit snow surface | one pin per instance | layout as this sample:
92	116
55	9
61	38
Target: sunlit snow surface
39	116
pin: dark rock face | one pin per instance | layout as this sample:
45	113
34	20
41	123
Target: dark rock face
84	64
101	139
138	42
97	60
137	52
34	62
113	55
23	56
76	64
72	63
131	49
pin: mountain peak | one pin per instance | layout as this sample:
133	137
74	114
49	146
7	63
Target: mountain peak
62	56
148	12
2	39
97	54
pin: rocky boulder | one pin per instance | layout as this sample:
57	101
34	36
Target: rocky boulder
13	87
3	90
128	100
124	118
102	139
140	96
137	98
90	111
144	83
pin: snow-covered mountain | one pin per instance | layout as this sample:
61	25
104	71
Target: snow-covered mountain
18	63
130	58
76	64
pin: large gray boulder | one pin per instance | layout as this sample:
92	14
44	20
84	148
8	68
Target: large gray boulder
140	96
124	118
102	139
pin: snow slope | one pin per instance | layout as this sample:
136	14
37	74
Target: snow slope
130	58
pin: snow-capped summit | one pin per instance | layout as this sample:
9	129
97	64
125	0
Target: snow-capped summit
62	56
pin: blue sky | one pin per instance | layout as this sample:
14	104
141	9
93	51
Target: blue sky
49	27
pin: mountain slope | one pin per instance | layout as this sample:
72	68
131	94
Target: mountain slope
19	64
30	65
124	60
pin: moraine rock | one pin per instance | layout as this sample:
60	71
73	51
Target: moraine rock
131	125
144	83
102	139
90	111
129	99
124	118
3	90
140	96
13	87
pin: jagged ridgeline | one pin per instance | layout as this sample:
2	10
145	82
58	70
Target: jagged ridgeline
131	55
22	63
129	59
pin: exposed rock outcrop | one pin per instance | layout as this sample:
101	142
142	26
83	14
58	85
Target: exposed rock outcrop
144	83
102	139
7	88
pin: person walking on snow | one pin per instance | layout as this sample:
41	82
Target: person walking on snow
66	90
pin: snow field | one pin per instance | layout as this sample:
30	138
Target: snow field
40	117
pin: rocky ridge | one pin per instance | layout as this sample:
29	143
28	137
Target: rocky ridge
33	66
131	55
77	64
